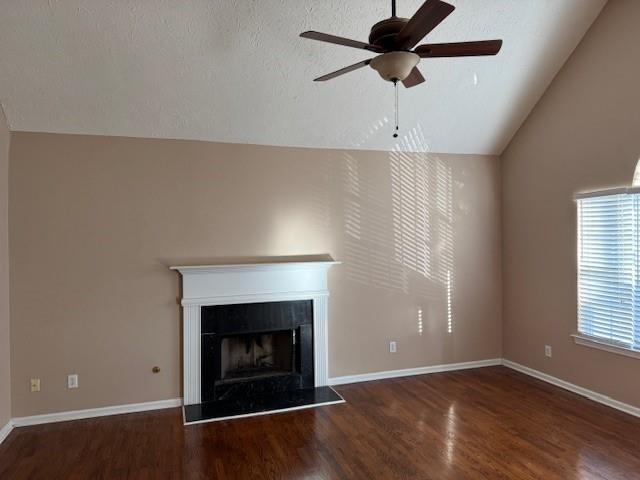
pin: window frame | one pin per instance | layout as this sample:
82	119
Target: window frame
580	338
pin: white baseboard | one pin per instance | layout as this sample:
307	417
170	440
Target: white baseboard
6	430
177	402
407	372
96	412
590	394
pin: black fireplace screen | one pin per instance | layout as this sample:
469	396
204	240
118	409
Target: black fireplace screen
256	348
257	354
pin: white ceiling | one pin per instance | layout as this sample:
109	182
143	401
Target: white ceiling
236	71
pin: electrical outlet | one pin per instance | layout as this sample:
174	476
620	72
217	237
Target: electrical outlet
35	384
72	381
547	351
392	347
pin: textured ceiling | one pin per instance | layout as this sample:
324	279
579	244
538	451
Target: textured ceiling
236	71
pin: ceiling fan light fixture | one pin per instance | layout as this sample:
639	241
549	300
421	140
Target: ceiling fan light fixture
395	66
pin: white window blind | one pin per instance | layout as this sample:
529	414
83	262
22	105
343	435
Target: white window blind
608	273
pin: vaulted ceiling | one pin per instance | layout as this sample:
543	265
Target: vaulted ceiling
236	71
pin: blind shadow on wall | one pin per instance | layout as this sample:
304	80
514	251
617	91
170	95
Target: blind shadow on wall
398	223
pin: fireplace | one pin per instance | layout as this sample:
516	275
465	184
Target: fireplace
254	338
256	348
252	356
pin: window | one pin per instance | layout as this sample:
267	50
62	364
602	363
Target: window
609	267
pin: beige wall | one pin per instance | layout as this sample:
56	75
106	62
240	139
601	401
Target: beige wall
96	220
5	374
584	134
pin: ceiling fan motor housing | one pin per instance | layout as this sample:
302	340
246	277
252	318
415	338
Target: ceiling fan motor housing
383	34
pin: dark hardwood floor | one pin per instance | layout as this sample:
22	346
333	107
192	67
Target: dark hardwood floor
486	423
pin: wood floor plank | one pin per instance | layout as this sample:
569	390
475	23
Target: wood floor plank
489	423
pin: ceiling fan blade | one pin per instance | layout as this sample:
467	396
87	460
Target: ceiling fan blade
428	17
325	37
342	71
414	78
461	49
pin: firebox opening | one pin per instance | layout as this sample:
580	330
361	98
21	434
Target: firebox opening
257	355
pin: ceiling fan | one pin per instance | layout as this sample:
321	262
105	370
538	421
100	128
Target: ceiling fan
395	37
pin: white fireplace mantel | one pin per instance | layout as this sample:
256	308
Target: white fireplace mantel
204	285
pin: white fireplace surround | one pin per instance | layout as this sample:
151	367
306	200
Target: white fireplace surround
204	285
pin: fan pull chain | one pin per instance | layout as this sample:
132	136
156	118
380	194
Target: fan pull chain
395	85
